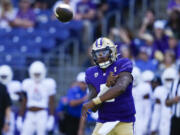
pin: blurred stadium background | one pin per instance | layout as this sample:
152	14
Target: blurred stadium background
61	46
64	47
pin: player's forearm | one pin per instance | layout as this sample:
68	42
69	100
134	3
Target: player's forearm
76	102
92	92
23	107
120	87
112	93
51	105
82	124
169	102
7	114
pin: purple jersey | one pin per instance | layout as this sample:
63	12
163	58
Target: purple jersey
122	107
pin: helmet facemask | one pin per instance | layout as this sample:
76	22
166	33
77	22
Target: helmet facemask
5	79
37	77
103	57
6	74
104	52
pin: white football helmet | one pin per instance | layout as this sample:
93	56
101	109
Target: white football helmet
104	52
147	76
37	71
136	73
6	74
168	76
81	77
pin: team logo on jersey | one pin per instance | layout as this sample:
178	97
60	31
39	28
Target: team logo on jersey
96	74
115	69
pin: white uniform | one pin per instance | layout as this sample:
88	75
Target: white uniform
143	107
13	87
37	96
161	117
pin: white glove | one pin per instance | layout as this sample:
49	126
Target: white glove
19	123
50	123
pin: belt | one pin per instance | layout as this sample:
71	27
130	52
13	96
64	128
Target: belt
35	109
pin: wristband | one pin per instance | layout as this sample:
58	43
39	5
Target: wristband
96	100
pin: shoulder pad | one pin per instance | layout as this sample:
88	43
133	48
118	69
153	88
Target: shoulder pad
124	65
50	82
90	74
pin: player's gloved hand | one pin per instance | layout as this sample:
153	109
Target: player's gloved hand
19	123
111	80
50	123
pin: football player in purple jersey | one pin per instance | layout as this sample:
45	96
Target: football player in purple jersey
110	86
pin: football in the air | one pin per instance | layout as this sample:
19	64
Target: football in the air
64	13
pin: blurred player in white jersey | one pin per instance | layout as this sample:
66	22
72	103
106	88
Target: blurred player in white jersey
39	101
142	92
14	88
161	117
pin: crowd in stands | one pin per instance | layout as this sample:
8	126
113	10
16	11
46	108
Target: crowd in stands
29	27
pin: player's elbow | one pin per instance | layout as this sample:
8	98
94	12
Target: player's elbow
121	89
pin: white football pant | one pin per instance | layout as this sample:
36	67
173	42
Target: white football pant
35	122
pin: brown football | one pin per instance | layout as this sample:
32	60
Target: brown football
64	13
